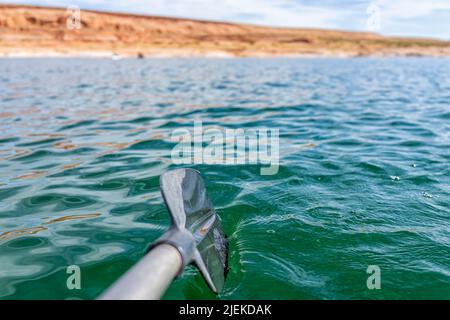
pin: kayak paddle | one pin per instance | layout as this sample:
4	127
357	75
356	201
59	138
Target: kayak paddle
195	236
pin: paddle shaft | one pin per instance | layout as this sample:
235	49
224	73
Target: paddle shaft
149	278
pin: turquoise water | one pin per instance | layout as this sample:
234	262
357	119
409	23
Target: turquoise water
364	175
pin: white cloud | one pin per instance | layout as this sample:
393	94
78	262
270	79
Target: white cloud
415	17
267	12
408	9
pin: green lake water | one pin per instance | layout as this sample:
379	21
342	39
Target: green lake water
364	177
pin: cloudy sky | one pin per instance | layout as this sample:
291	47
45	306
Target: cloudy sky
425	18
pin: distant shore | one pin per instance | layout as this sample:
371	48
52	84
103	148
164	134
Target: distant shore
211	55
168	53
27	31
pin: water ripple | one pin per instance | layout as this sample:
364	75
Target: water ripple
363	180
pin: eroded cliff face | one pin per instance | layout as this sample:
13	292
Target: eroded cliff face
26	30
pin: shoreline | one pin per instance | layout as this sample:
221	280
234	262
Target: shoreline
56	55
192	53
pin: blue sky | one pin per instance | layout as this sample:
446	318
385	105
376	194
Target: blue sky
424	18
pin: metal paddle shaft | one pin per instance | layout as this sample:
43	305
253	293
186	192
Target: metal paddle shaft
149	278
195	236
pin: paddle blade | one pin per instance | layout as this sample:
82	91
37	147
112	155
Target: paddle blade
186	199
213	255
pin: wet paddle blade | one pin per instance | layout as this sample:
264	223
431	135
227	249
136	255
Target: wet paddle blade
186	199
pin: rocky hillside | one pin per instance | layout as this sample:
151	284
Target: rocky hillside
30	31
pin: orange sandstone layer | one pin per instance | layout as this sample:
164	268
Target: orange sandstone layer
43	31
